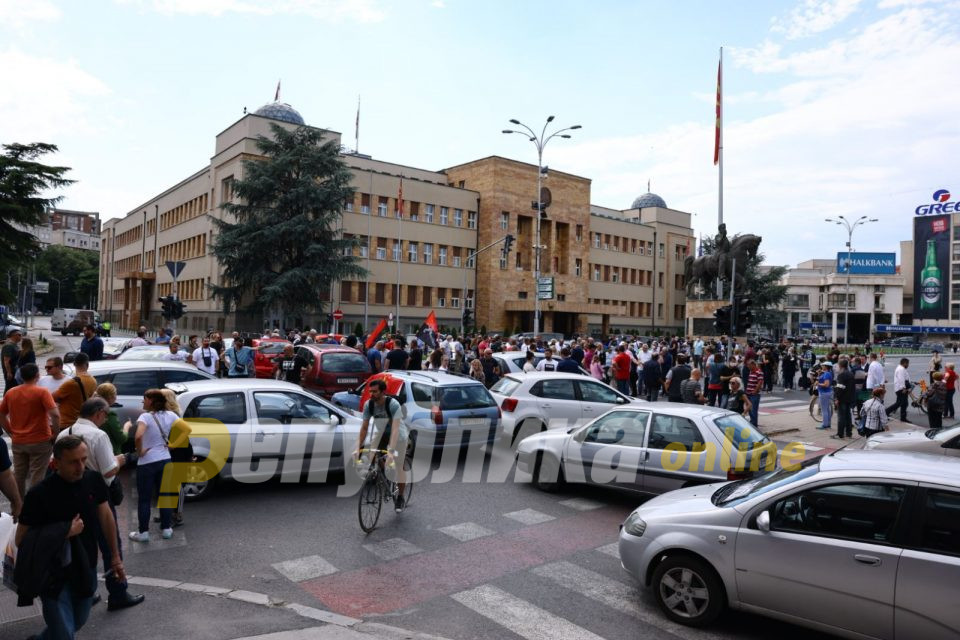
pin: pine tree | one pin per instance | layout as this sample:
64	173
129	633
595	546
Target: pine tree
284	249
23	181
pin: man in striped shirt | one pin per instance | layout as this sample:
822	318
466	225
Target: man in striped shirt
754	387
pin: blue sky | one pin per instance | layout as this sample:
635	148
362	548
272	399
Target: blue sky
832	106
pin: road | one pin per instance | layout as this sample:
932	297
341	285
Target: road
466	560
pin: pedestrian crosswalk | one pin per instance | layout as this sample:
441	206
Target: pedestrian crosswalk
785	402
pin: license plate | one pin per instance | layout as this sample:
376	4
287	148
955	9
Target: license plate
470	422
348	380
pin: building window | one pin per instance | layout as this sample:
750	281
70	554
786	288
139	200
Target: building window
348	205
579	233
456	261
469	301
412	251
396	251
428	254
455	303
364	249
458	217
838	300
226	189
471	261
382	207
578	268
615	276
660	278
441	302
471	219
444	214
442	257
428	213
798	300
411	295
596	240
380	293
504	220
381	253
427	296
518	261
661	250
596	272
659	309
364	203
522	295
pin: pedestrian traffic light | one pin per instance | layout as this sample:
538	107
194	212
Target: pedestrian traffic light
743	317
166	307
721	319
467	318
177	307
507	244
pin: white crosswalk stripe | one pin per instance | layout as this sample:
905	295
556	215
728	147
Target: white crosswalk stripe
529	516
305	568
612	549
519	616
392	549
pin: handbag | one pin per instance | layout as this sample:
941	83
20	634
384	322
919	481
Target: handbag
177	454
115	490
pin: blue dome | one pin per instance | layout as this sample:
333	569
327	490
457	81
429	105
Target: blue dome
649	200
280	111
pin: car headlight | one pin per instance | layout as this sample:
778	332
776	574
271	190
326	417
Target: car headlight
634	525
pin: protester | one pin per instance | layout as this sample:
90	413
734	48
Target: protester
91	345
205	357
72	394
55	376
111	426
29	414
152	437
10	358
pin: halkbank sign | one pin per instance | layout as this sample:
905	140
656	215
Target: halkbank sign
867	263
941	204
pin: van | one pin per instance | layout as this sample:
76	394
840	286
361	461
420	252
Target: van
73	320
8	322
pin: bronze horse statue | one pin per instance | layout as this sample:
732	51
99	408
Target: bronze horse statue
707	269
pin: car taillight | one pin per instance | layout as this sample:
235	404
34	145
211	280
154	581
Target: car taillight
737	475
509	404
436	415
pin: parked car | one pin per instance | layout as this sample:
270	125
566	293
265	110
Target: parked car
513	361
261	415
113	348
545	336
145	352
263	364
933	347
349	399
942	442
8	322
535	402
441	409
133	378
658	447
859	544
331	369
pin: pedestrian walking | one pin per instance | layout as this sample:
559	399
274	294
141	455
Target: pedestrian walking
29	414
788	369
825	391
675	378
950	381
91	345
901	386
737	400
846	394
936	397
152	439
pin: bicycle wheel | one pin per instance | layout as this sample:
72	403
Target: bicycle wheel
816	412
408	487
371	500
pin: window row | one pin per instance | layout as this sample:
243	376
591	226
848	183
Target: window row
186	211
422	252
413	211
127	265
195	247
410	295
634	309
129	236
194	289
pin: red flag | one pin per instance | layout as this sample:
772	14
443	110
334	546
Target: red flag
276	97
400	200
716	142
375	334
431	322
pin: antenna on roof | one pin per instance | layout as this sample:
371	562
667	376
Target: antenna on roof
648	185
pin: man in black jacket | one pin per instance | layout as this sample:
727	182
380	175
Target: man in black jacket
57	540
846	395
675	378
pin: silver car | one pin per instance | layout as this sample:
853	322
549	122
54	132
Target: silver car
944	442
651	448
862	544
276	429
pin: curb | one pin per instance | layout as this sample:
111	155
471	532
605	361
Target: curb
263	600
779	432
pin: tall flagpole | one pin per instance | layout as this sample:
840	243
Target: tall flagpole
719	153
356	132
399	249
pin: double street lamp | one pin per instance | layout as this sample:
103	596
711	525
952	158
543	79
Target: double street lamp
850	226
540	142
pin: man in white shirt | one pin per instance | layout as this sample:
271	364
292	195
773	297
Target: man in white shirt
141	339
100	458
644	354
175	354
901	385
874	373
548	363
205	357
55	375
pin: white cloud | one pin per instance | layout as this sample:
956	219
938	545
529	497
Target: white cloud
814	16
18	12
334	10
439	4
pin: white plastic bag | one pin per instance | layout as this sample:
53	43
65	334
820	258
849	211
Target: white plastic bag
8	545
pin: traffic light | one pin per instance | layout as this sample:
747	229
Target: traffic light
466	318
166	307
743	316
177	308
507	244
721	319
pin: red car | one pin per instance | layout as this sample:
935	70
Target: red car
331	368
263	362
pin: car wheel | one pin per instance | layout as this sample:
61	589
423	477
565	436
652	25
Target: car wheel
63	333
688	591
547	474
197	486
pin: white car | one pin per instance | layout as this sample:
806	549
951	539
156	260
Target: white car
535	402
945	442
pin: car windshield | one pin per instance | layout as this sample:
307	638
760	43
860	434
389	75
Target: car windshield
272	348
345	363
740	490
738	431
113	346
472	396
505	386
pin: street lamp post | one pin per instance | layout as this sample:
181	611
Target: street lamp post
540	142
850	226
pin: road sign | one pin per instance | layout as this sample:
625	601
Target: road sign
337	314
545	289
41	287
175	268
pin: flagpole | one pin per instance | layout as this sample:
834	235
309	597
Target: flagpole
399	248
720	143
356	133
366	288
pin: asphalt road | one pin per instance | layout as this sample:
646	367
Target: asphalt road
466	560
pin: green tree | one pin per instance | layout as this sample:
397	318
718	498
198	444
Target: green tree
23	182
77	270
284	249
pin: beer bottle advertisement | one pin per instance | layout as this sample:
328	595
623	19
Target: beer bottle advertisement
931	267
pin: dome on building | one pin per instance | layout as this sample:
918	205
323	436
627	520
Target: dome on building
649	200
280	111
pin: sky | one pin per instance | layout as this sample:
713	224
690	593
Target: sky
831	107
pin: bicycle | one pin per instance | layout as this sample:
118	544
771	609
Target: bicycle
377	488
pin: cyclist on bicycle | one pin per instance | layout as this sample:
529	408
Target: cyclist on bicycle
388	431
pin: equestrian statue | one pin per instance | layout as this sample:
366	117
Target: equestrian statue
718	264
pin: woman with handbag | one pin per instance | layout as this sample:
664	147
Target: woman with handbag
180	448
936	397
152	438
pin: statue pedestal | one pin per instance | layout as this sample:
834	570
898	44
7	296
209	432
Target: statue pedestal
699	315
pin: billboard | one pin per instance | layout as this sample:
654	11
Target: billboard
931	267
874	264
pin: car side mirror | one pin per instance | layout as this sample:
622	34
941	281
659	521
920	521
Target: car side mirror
70	356
763	521
116	405
622	400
